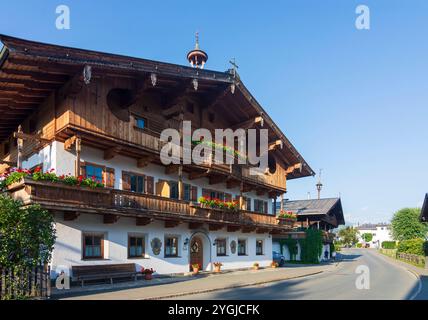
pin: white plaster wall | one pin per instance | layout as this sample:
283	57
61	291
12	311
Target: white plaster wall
68	247
47	156
382	233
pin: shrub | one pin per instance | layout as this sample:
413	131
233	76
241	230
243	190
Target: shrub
426	248
413	246
389	245
359	245
311	246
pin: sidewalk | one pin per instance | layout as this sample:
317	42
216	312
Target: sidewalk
179	286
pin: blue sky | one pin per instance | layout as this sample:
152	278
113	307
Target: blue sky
353	102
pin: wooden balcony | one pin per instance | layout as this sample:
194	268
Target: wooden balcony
114	204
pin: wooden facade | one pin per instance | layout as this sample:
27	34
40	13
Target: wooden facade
86	98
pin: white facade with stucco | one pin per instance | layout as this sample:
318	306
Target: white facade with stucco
69	243
380	233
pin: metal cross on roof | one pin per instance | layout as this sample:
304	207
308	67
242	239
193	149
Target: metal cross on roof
234	66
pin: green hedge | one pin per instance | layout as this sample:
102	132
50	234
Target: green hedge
389	245
311	246
413	246
359	245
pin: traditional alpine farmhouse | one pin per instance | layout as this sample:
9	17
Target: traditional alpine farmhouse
321	214
84	128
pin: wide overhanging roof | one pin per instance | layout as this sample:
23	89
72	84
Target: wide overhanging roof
317	207
31	71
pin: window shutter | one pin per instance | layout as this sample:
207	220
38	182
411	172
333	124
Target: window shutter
248	200
265	207
109	178
206	193
149	185
126	181
162	188
194	193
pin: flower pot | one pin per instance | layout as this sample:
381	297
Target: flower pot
148	276
195	270
217	269
274	266
256	267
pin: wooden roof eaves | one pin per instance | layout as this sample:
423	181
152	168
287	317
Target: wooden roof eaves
246	93
4	54
27	49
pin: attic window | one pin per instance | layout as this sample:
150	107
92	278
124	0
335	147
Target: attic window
141	123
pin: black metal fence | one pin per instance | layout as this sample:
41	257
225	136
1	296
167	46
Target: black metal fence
30	283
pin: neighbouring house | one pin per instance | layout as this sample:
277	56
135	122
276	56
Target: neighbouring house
96	118
424	210
322	214
380	232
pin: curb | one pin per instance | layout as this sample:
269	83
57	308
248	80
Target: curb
226	288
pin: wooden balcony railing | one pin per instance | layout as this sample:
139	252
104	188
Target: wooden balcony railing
60	197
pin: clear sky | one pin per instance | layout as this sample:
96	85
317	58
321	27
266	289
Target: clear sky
353	102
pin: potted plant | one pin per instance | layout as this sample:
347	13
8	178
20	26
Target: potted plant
256	266
217	267
148	273
274	264
195	268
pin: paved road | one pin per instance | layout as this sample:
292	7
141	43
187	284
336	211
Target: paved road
387	281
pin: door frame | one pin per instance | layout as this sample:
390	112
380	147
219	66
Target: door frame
203	235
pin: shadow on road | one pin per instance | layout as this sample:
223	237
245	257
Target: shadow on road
423	294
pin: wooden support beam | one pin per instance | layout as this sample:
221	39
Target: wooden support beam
233	228
196	175
111	152
291	169
78	144
215	227
230	183
276	231
248	229
173	168
217	179
144	161
249	123
110	218
172	111
195	225
68	144
278	144
31	137
37	76
260	192
262	230
70	216
171	223
143	221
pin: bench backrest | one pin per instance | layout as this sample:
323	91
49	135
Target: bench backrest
101	269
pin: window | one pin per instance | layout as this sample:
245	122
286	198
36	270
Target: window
187	192
248	204
171	247
221	247
94	171
137	183
136	247
140	123
260	206
259	247
93	246
173	190
242	247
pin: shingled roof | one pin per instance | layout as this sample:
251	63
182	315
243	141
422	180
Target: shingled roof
317	207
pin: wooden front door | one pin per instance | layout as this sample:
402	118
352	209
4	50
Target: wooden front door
196	252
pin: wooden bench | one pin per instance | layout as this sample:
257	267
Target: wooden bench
104	271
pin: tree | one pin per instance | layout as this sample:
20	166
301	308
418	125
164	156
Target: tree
368	237
406	225
348	235
27	234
